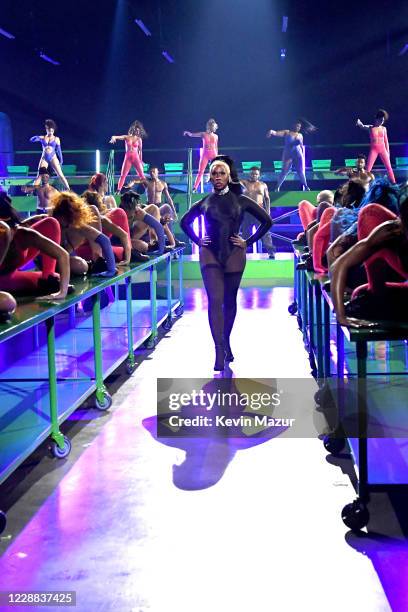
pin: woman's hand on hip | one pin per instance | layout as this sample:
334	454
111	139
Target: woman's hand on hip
238	241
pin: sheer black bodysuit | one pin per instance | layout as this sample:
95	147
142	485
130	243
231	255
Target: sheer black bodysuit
222	263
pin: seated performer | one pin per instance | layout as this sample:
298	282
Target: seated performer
140	220
257	190
155	188
24	244
384	253
99	183
43	190
51	154
7	303
112	223
75	219
223	252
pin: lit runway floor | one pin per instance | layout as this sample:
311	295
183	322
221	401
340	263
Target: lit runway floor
134	524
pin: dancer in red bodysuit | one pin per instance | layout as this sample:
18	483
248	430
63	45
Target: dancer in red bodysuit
379	142
209	149
133	156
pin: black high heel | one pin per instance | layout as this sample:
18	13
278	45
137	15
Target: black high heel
228	353
219	357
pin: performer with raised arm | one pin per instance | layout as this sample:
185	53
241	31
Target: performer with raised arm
209	149
379	142
133	156
257	190
51	154
359	172
294	150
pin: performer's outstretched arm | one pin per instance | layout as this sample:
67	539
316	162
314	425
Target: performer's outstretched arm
361	125
193	134
279	133
115	138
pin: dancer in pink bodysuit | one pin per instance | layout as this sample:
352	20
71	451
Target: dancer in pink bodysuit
133	156
379	142
209	149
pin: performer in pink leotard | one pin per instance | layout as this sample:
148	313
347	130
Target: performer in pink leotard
133	156
209	149
379	142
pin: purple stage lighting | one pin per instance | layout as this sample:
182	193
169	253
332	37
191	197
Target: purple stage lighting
6	34
48	59
142	26
168	57
284	23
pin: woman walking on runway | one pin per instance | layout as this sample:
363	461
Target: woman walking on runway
223	252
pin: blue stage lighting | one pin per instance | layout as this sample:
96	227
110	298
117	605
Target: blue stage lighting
6	34
49	59
282	54
168	57
142	26
284	23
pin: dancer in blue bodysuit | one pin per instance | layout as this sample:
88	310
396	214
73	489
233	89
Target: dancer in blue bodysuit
51	154
294	150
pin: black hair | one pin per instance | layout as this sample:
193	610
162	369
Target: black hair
152	167
137	124
234	185
307	127
8	213
49	123
382	114
362	156
43	170
255	168
129	200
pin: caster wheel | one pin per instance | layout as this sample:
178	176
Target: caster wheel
150	343
334	446
105	402
61	453
292	308
167	324
355	515
179	310
130	367
299	321
3	521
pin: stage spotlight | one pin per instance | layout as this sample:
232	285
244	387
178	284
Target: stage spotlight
403	50
168	57
49	59
6	34
282	54
142	26
284	23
